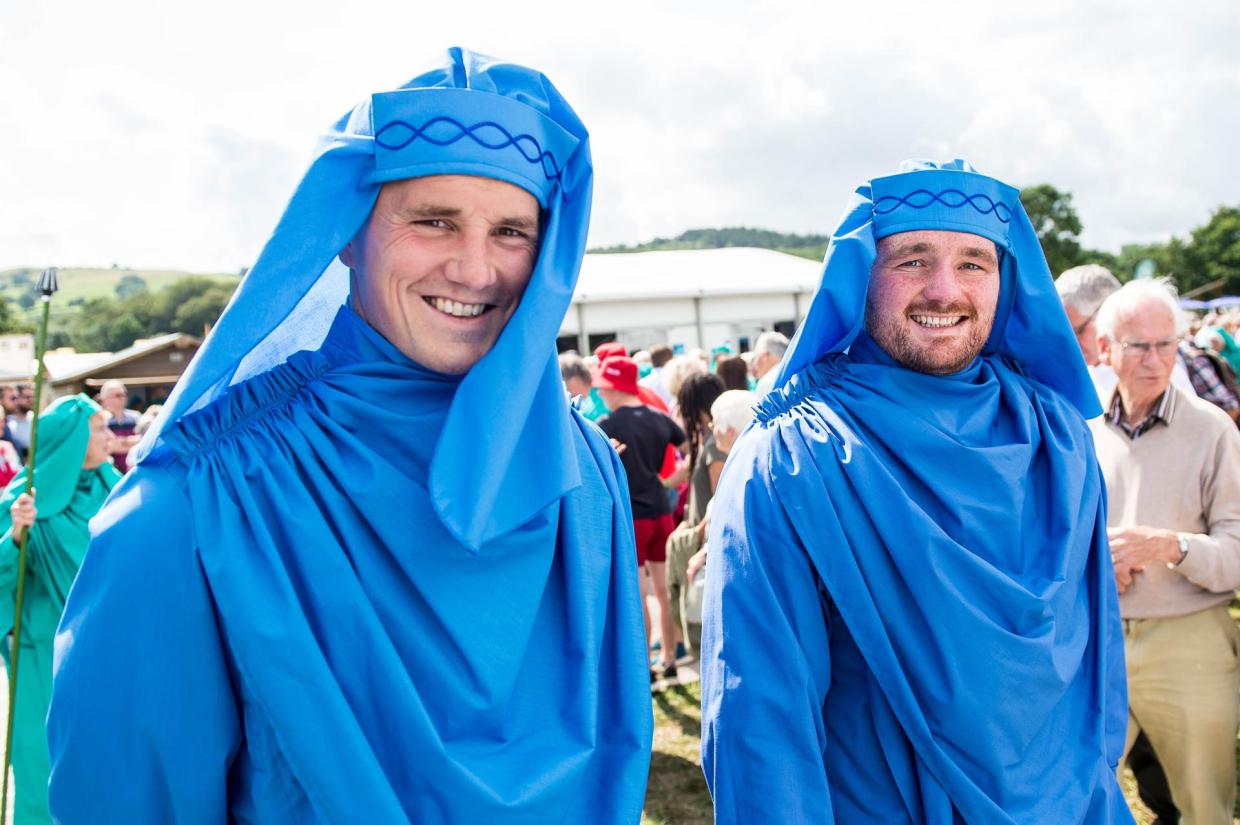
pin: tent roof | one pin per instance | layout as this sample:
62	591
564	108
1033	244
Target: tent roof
693	272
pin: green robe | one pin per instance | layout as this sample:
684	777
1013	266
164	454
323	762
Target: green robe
1231	350
66	498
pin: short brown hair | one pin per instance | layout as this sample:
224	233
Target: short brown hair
660	355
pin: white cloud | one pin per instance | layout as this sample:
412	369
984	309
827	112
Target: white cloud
151	136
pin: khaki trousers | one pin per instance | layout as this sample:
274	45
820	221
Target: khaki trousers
1183	681
681	544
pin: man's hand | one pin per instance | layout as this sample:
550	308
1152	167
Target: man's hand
617	446
23	513
1124	574
1133	548
679	477
696	562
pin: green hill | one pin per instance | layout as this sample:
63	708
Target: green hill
77	284
805	246
106	309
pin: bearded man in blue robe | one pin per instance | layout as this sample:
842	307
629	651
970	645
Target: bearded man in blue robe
371	567
910	616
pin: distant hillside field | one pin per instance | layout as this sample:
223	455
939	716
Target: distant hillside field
124	304
84	283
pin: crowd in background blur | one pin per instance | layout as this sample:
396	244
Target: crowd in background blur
126	425
674	418
709	397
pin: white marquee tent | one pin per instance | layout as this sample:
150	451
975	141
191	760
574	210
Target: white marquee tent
687	298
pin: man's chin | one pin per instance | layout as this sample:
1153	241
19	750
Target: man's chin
938	360
453	357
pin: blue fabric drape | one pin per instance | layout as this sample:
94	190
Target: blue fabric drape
910	614
473	116
340	587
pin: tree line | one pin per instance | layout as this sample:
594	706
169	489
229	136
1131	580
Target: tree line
107	324
1208	255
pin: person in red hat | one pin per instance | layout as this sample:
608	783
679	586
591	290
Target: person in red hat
646	434
614	349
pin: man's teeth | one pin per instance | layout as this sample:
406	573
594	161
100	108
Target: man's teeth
458	309
937	320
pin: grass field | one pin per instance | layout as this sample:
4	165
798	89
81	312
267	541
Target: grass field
676	794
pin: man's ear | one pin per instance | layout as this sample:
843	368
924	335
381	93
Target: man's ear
348	255
1104	350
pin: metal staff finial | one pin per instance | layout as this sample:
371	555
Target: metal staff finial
49	282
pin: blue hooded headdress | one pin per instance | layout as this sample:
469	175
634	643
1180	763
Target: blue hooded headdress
341	587
910	613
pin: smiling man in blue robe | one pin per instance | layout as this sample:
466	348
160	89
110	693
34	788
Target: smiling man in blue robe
909	614
371	567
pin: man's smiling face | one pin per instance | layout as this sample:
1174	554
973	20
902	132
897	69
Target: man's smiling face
441	265
932	298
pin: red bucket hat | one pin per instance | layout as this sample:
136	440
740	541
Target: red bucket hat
617	373
610	350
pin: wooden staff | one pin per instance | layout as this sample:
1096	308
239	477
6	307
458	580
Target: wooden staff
47	285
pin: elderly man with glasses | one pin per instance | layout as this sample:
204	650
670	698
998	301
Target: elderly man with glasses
1172	468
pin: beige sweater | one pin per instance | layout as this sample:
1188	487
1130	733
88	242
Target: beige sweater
1184	477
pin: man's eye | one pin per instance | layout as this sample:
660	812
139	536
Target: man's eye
509	232
434	223
913	264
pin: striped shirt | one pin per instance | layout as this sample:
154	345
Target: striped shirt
1204	374
1162	413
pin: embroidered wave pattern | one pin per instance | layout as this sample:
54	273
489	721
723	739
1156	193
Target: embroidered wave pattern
442	131
953	198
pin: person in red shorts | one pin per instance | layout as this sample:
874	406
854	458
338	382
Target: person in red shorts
645	434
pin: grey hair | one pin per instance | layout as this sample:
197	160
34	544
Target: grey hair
1132	296
1084	288
776	343
733	410
574	366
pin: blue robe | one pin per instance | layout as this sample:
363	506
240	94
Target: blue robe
910	614
273	625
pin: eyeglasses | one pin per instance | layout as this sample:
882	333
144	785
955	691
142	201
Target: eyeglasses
1138	349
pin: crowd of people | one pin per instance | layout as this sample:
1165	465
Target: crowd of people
673	420
370	566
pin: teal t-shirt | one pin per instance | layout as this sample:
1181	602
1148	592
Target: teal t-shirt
592	406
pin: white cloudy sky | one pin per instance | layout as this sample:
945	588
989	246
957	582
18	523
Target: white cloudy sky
170	134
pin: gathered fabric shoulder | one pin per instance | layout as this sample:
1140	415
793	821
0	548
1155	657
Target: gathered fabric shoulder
243	404
801	408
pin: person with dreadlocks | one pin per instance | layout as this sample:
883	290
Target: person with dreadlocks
705	461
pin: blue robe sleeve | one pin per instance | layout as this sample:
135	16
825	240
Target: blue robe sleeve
144	723
765	657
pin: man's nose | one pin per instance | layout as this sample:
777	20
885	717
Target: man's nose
472	266
942	285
